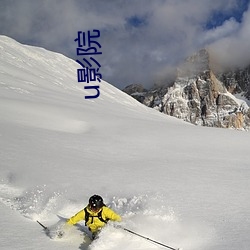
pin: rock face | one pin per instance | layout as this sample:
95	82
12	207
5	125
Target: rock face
237	81
137	91
201	97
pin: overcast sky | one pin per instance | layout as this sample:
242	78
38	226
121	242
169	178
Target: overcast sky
142	40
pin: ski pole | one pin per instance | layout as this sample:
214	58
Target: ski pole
45	228
146	238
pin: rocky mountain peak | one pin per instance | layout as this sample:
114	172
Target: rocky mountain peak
196	64
202	97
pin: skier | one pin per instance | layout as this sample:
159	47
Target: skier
95	214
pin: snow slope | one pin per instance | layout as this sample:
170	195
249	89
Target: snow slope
176	183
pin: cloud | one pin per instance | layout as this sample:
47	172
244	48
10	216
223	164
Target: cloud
141	40
233	49
228	28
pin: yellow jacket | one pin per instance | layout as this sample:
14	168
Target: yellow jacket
94	223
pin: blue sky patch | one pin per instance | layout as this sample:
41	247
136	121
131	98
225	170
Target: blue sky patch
219	17
136	21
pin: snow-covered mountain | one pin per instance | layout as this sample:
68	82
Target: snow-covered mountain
237	81
201	96
182	185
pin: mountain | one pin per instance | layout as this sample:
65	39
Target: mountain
201	96
237	81
182	185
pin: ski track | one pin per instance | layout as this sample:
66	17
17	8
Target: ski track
144	214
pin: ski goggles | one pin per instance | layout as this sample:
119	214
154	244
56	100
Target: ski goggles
94	208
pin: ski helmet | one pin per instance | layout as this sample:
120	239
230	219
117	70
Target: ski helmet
95	202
